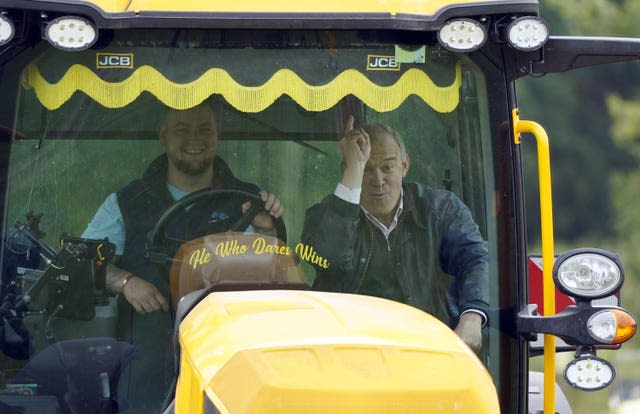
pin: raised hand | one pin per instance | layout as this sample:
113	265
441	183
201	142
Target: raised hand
355	146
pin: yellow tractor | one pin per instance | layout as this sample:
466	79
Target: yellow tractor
239	320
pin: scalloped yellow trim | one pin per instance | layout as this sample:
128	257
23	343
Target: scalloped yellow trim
244	98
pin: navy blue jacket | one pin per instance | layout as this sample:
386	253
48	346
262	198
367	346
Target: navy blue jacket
441	264
142	202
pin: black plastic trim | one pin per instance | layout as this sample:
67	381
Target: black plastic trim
570	324
564	53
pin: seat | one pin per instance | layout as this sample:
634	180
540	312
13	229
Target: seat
82	374
234	261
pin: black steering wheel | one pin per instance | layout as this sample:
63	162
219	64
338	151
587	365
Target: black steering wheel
156	248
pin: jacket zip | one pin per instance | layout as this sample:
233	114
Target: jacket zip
366	265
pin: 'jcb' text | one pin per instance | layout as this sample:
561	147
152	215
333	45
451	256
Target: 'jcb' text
114	60
376	62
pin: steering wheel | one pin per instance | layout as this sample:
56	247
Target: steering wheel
156	249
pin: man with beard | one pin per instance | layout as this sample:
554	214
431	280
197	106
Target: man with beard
190	139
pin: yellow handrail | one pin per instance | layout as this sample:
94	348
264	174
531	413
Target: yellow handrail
548	256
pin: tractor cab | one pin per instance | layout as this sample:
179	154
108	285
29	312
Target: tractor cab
129	286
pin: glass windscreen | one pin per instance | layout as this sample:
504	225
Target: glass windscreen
168	162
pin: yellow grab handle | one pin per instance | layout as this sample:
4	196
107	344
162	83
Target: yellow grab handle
548	256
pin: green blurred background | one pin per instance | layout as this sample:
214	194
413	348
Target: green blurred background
592	117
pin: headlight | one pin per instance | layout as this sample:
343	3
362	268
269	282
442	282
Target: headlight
6	30
527	33
462	35
71	33
588	273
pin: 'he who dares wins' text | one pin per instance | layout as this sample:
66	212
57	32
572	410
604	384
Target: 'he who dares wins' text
259	246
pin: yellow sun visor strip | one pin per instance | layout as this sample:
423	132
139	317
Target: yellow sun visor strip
244	98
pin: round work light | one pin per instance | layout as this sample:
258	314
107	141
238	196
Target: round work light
462	35
527	33
589	373
71	33
7	30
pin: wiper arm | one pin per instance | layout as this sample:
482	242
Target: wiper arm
307	145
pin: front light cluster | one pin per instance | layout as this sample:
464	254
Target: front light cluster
66	32
586	275
466	35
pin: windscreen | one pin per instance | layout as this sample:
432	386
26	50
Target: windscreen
159	163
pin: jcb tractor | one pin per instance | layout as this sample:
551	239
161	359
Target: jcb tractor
93	90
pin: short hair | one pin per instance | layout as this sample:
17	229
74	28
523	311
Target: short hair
377	130
168	110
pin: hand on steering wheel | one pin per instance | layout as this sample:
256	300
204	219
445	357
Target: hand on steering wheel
156	250
262	220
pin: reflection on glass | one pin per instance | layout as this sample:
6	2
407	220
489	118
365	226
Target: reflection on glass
102	160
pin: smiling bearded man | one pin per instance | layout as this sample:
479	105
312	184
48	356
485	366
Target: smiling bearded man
190	163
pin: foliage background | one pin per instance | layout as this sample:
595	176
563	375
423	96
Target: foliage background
592	116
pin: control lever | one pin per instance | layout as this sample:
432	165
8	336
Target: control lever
68	252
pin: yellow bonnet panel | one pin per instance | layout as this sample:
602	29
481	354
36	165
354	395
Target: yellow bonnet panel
244	98
291	352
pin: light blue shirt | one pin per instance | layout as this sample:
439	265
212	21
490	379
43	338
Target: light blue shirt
108	221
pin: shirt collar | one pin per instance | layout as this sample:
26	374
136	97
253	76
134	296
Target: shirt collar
394	223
